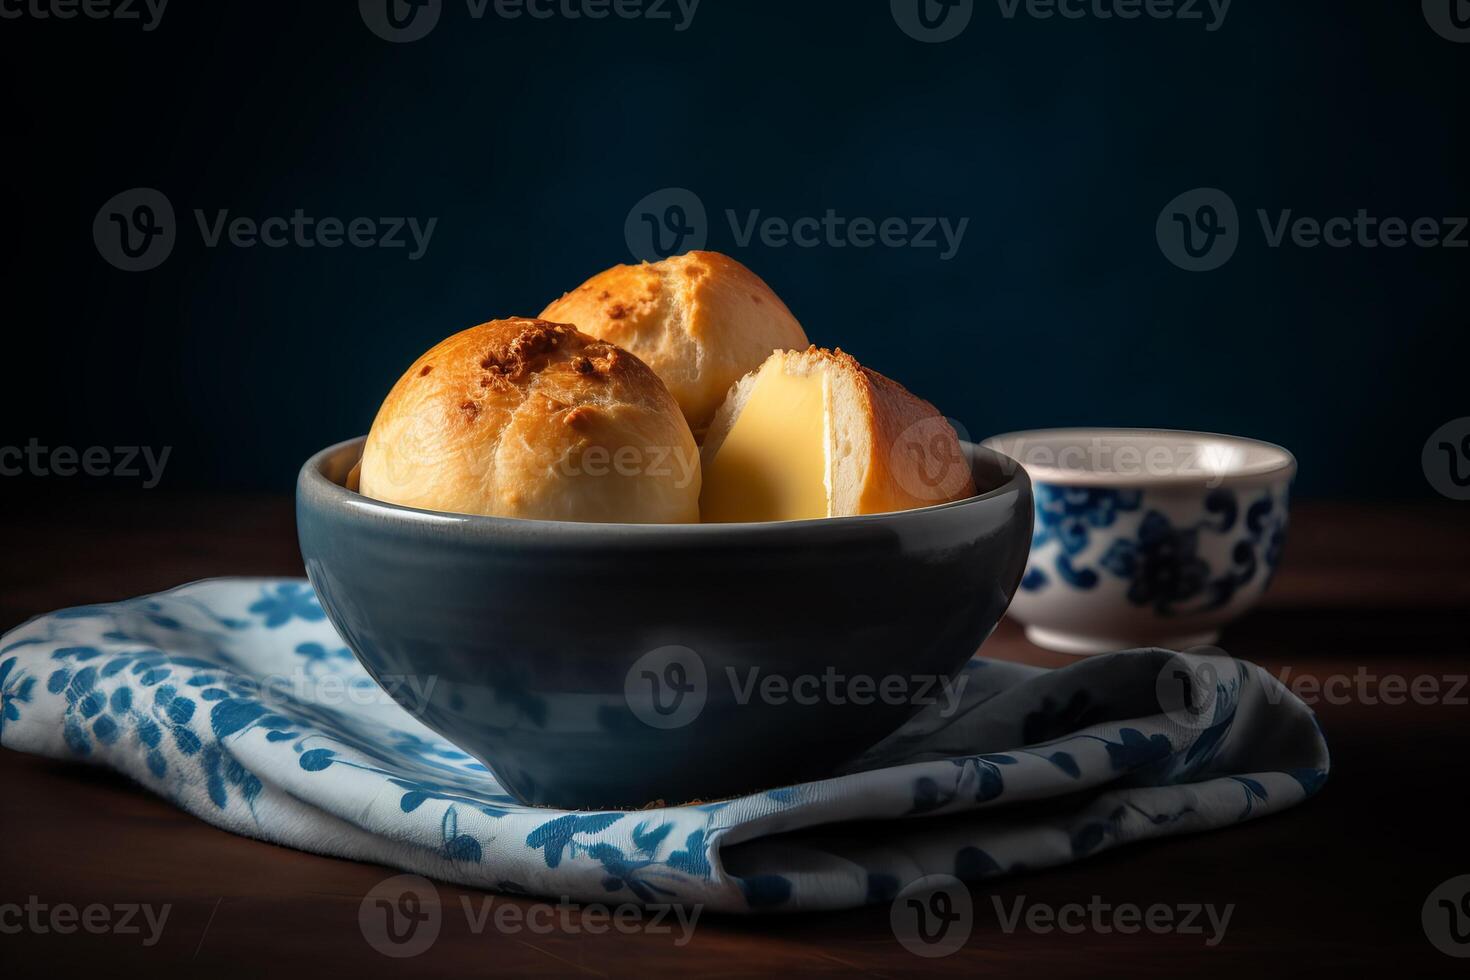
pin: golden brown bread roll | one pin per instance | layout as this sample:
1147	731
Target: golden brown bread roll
700	320
524	418
815	434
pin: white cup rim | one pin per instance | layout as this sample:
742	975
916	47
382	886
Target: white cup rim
1068	457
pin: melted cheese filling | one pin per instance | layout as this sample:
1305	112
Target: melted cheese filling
773	464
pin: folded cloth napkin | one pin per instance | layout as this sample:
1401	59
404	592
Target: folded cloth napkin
235	699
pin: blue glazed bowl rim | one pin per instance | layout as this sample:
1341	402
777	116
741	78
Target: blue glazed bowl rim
1281	469
316	489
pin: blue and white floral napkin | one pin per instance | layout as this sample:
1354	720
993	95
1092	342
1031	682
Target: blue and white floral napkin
236	700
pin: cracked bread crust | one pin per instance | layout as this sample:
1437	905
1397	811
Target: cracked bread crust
700	320
523	418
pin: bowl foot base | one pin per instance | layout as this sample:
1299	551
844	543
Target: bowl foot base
1085	646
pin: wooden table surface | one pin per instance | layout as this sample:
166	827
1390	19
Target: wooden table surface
1336	885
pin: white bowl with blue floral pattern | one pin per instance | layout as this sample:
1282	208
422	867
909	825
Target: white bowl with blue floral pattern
1146	537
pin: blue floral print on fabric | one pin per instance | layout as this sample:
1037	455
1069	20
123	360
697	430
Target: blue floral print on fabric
226	697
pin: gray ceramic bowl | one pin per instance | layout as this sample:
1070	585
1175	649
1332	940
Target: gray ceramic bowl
611	665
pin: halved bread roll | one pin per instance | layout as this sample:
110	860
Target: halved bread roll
700	320
525	418
815	434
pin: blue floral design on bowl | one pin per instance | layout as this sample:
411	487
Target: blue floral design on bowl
1162	557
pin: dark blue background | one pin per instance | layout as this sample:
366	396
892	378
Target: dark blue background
531	140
